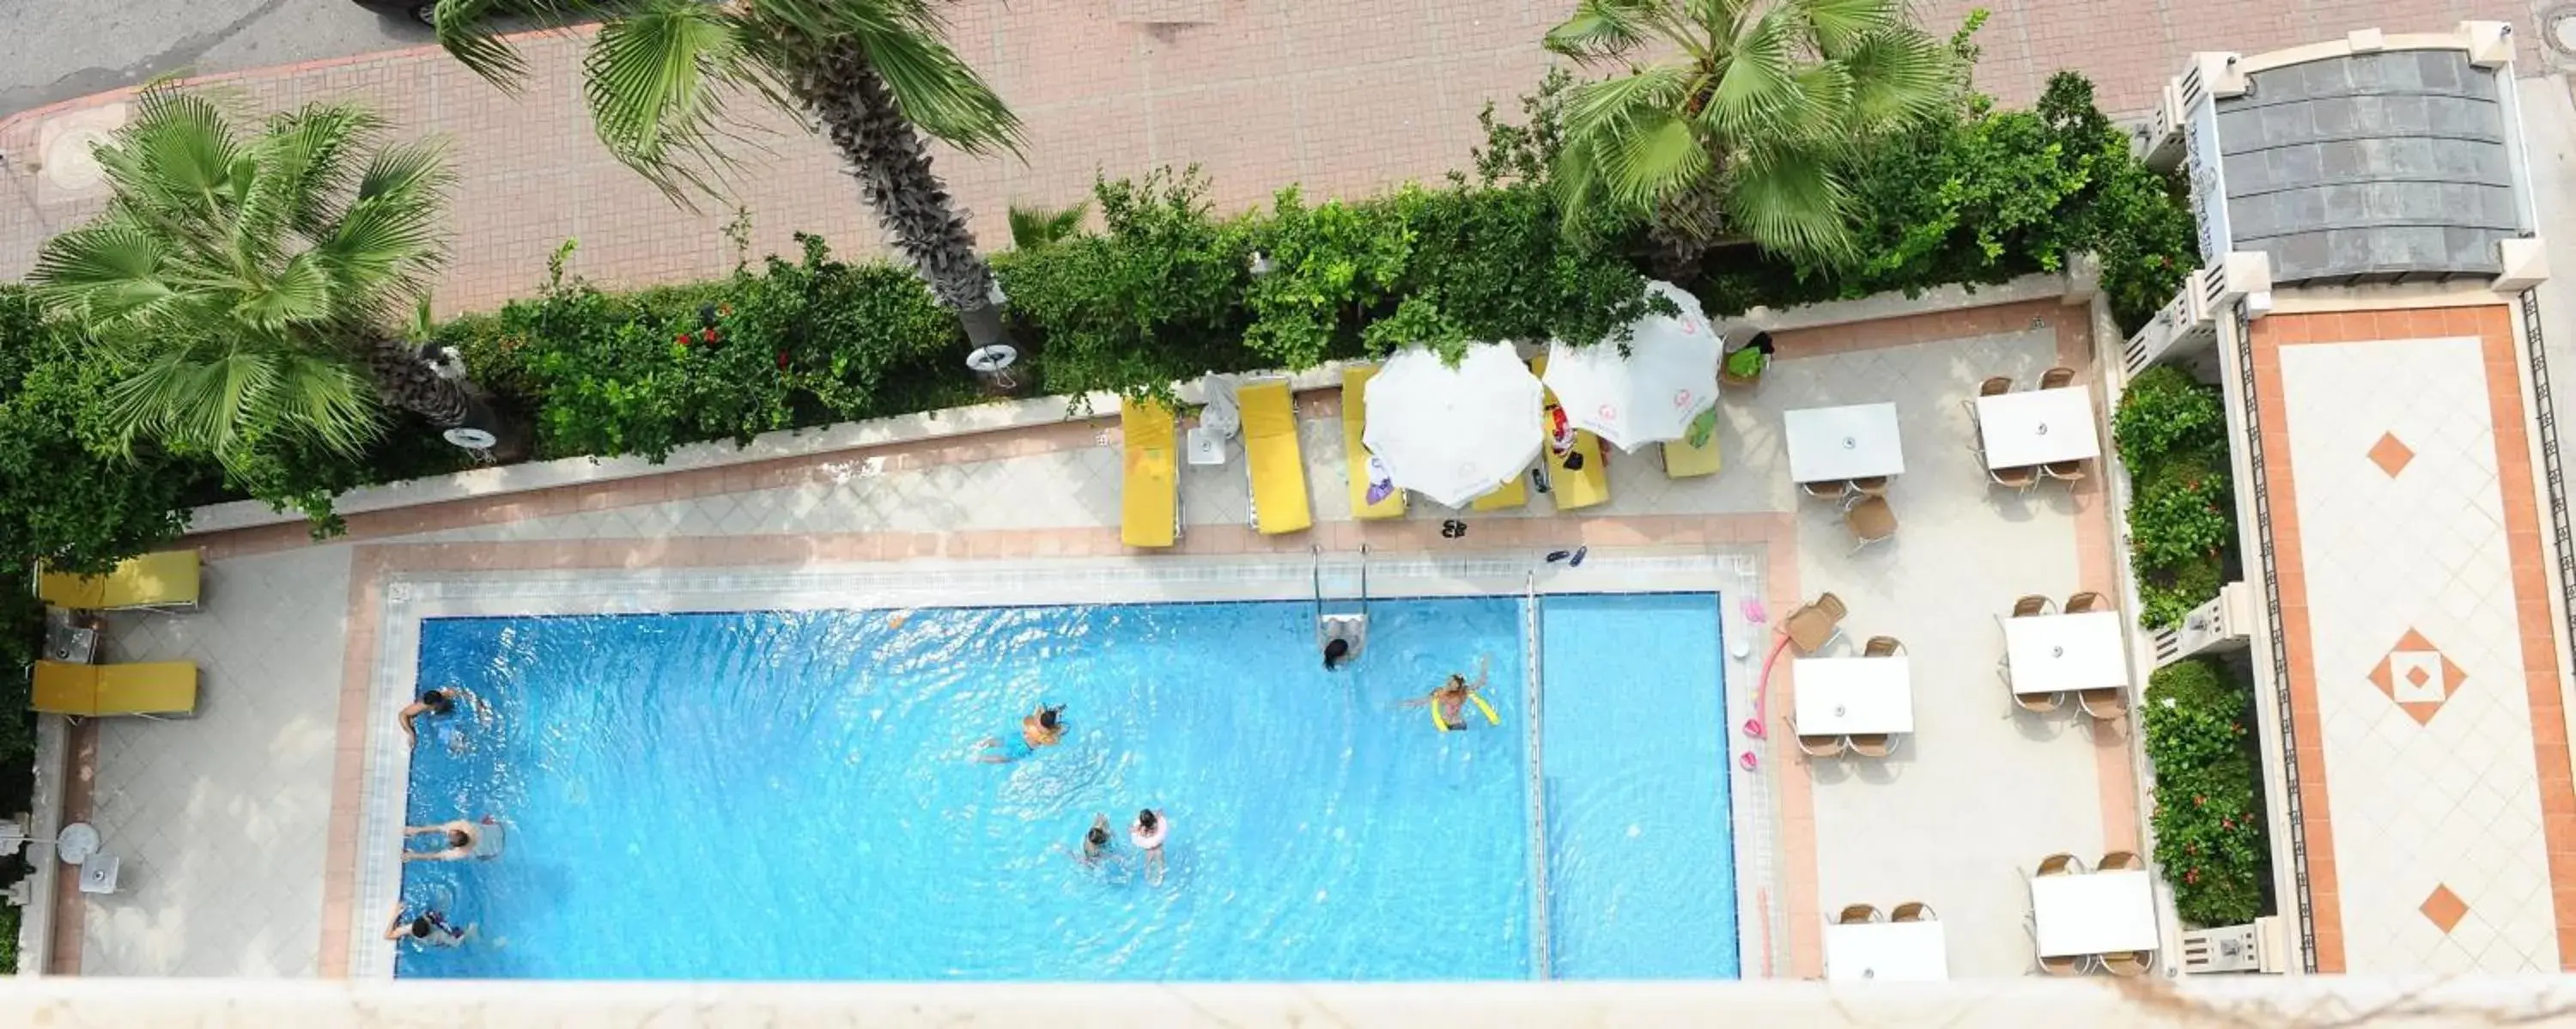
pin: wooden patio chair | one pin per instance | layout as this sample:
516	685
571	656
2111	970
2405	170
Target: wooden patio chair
2063	471
1811	627
1831	489
2060	864
1817	746
2069	965
2087	601
2057	378
2129	963
1995	386
2035	703
2121	861
1874	744
1857	914
1882	646
2108	704
1871	521
1869	486
1914	911
2034	604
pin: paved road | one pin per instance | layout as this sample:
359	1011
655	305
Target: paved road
84	46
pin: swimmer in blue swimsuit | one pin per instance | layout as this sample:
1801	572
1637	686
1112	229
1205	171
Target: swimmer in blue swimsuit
1042	728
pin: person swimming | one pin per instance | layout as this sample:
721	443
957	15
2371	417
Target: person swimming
464	840
1095	843
1148	834
1337	652
1450	699
430	928
440	704
1043	728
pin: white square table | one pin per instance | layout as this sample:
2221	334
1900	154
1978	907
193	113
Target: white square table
2037	426
1903	952
1854	442
2058	653
1838	695
2094	913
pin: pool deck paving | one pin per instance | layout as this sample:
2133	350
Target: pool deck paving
255	818
1341	97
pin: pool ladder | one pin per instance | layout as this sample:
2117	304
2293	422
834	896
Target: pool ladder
1541	960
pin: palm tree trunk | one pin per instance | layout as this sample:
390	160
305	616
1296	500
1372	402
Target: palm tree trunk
404	379
892	163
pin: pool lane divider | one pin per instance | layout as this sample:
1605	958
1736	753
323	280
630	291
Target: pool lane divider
1541	960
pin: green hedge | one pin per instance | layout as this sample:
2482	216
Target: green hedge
2172	433
2211	839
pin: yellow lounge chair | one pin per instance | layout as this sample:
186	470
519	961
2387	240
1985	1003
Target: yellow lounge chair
1278	465
166	581
143	688
1684	461
1150	497
1579	488
1354	428
1511	494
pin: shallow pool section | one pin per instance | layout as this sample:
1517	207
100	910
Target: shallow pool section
795	795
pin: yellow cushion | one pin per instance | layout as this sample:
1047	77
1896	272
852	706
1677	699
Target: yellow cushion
1150	494
170	578
1278	465
1355	447
1683	461
1512	494
142	688
1572	489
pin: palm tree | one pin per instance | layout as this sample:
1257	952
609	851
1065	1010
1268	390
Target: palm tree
875	73
1747	126
251	282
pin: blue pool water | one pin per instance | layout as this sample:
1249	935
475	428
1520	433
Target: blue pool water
793	795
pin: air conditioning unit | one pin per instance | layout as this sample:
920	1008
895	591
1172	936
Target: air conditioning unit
2239	275
2490	43
2525	261
2211	76
2189	323
2160	143
2260	947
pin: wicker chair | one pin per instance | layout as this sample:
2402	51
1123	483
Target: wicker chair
2034	604
1811	627
1871	521
2063	471
2130	963
2087	601
2061	864
2057	378
2019	477
2121	861
1996	386
1857	914
1871	486
1832	489
2109	704
1818	746
1914	911
1874	744
2036	703
1882	646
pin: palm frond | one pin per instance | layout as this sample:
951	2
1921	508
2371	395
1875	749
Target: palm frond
469	31
1792	202
1034	227
1603	29
1900	77
653	81
305	166
1840	25
1660	155
104	272
938	92
1757	83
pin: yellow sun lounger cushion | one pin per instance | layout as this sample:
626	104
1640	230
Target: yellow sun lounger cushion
1572	488
1278	464
1150	494
168	579
143	688
1684	461
1355	448
1510	495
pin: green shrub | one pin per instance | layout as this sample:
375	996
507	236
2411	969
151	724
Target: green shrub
2165	413
2178	519
2211	840
1155	298
2168	595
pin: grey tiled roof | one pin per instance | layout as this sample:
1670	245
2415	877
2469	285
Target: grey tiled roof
2373	166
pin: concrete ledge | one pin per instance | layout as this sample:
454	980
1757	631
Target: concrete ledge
1937	300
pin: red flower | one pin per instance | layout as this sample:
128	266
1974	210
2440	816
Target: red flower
2192	876
681	339
2227	823
2199	801
724	308
782	360
707	335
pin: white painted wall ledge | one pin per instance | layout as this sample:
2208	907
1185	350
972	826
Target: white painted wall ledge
998	416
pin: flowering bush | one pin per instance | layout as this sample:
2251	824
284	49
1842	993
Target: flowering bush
2172	431
2211	839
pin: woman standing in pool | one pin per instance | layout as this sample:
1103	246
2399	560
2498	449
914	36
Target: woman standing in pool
1148	834
1042	728
1449	701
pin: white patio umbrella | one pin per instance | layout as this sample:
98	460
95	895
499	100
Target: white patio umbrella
1454	434
1666	379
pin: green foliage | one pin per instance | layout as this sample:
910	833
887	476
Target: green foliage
1334	263
2211	840
1034	227
1156	298
2172	431
801	343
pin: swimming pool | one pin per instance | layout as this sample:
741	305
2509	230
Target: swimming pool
793	795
